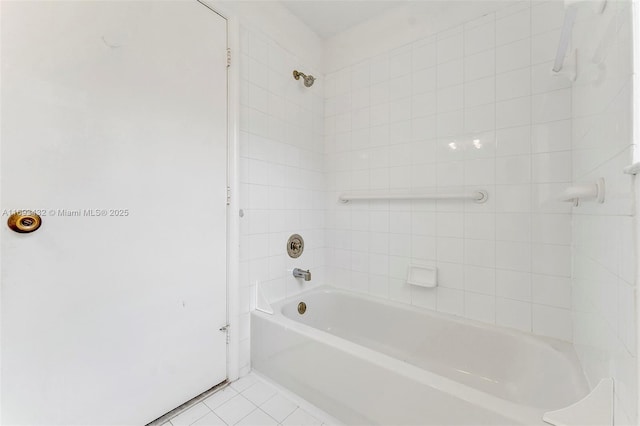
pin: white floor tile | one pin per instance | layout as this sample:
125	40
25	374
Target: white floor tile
252	400
234	409
188	417
278	407
301	418
220	397
244	383
210	420
258	418
259	393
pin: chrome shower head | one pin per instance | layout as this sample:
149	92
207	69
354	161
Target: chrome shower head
308	79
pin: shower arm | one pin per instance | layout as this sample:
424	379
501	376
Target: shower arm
297	74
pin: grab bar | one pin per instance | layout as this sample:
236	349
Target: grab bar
477	196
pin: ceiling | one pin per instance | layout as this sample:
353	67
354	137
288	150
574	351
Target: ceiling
330	17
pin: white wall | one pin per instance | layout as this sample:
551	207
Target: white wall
485	88
604	255
281	165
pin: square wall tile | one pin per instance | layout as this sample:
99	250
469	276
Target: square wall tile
450	48
552	106
479	119
551	291
480	253
513	27
549	259
513	56
551	136
450	275
513	170
552	322
480	65
450	73
544	46
480	37
552	228
513	314
546	16
479	92
423	297
425	79
378	69
514	112
515	285
400	62
450	250
552	167
480	307
480	226
480	280
513	141
513	84
515	256
450	301
450	99
424	54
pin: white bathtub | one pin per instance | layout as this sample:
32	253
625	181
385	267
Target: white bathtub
368	361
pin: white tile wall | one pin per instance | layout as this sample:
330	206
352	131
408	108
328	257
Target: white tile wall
281	174
604	255
472	107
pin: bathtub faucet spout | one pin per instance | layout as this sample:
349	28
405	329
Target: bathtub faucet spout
301	273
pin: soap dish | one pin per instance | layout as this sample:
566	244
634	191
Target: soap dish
422	276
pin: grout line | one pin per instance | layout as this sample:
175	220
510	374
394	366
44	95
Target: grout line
531	165
495	163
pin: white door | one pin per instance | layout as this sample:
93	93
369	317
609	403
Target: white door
113	128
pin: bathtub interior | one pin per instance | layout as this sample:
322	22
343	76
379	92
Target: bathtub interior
517	367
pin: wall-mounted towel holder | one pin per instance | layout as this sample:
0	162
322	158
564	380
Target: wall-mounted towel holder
594	191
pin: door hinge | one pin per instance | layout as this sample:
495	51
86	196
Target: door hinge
228	195
225	329
228	57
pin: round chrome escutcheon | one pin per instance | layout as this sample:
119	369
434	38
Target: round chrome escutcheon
295	246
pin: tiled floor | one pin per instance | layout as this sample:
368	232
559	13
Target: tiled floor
251	401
